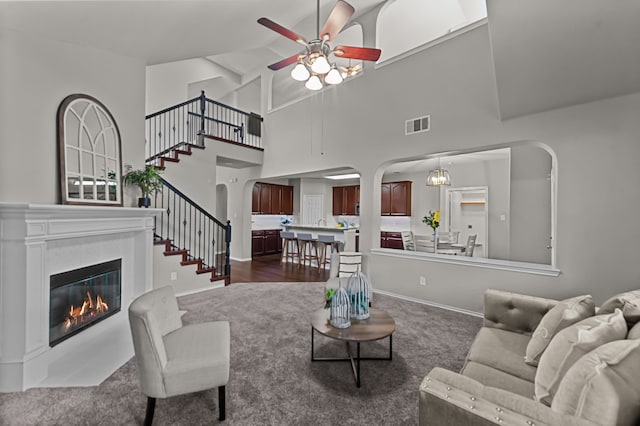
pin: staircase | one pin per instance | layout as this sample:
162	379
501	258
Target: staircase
185	229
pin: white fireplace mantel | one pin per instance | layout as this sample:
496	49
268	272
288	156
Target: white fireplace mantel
37	241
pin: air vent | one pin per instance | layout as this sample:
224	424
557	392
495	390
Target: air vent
417	125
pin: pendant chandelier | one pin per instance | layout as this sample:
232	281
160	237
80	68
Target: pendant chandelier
438	177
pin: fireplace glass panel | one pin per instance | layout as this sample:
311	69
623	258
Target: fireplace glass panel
83	297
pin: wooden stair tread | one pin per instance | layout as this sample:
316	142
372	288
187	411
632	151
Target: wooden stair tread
170	159
191	262
205	270
175	252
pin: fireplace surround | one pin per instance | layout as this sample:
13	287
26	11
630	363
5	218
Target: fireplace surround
38	242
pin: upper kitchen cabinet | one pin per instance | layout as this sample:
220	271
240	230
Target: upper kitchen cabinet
268	198
345	200
396	199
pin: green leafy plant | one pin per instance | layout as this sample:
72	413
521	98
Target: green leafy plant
147	179
432	219
327	298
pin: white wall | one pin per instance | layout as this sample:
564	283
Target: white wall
361	124
169	84
36	75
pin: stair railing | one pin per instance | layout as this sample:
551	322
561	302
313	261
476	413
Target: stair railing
188	123
189	227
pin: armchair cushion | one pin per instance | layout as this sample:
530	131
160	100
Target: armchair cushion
519	313
603	385
570	344
198	357
562	315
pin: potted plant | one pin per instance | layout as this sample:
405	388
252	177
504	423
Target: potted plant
148	180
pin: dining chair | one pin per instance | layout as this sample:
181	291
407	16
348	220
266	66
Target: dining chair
407	241
176	359
471	245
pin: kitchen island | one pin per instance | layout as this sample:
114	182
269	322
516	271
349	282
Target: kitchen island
345	235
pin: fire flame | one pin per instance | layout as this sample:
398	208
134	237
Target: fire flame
88	310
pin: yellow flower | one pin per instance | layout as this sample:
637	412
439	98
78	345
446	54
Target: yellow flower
436	216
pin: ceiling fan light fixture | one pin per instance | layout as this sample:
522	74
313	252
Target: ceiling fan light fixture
300	72
313	83
320	65
333	76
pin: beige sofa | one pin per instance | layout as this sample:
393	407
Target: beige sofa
596	384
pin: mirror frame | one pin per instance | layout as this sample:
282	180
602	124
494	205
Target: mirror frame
101	112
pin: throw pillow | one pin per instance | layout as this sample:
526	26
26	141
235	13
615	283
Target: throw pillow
603	385
565	313
628	303
569	345
634	333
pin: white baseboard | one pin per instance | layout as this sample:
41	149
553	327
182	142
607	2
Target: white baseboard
199	290
238	259
425	302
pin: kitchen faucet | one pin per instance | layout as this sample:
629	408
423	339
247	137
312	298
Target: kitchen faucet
322	220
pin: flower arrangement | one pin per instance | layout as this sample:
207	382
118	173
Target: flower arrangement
327	298
433	219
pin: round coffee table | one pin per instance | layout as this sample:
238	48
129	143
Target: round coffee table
378	326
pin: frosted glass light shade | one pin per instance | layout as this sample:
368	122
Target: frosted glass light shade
438	177
320	65
313	83
300	73
333	77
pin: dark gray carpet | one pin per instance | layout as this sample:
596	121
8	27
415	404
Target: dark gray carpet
272	380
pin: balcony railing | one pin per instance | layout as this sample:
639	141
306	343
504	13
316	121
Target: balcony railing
189	122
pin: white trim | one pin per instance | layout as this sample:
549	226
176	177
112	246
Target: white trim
241	259
472	26
478	262
200	290
436	305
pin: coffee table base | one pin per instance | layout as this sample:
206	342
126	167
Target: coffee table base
355	362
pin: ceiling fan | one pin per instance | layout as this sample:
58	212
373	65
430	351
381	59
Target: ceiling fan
313	65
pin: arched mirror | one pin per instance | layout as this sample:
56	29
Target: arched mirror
89	151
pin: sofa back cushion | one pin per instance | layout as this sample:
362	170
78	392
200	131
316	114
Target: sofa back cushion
569	345
564	314
628	303
603	385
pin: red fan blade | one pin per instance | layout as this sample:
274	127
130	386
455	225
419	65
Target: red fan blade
336	20
282	30
364	53
283	63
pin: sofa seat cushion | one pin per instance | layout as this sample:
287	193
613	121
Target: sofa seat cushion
502	350
494	378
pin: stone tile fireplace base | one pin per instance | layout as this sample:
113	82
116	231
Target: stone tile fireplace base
37	241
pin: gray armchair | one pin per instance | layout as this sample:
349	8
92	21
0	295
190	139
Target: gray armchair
174	359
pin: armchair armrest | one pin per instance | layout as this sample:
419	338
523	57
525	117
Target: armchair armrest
514	312
448	398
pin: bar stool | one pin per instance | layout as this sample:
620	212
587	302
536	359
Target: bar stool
307	249
289	247
325	242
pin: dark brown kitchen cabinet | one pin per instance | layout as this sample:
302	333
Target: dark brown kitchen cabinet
265	242
345	200
257	243
392	240
395	199
269	198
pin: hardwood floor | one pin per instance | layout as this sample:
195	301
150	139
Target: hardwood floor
269	269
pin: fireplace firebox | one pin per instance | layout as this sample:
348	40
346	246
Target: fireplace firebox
83	297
